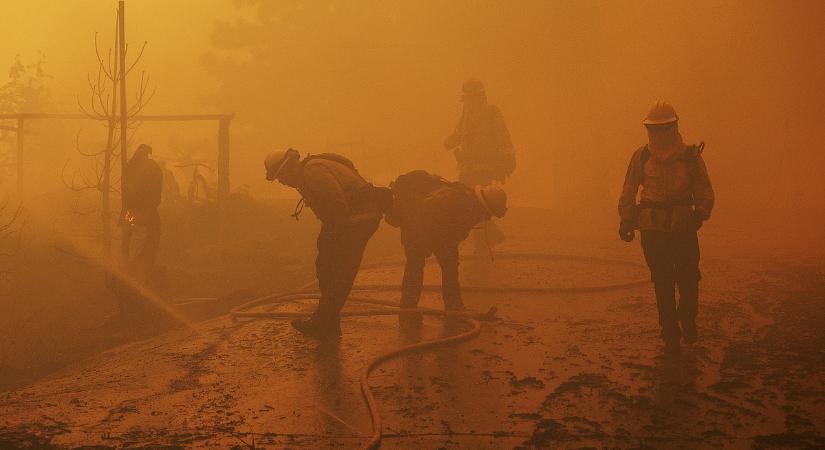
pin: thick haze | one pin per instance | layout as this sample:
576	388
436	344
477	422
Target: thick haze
379	81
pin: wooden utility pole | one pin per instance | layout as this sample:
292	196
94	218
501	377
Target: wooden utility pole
105	204
121	16
223	157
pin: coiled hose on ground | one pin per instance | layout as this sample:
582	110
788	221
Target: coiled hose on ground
391	308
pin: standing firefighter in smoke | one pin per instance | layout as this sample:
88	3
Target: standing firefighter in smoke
676	198
350	210
435	216
482	148
144	184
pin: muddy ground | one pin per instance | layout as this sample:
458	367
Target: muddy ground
560	370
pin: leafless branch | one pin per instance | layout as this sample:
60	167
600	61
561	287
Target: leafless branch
103	66
139	56
74	184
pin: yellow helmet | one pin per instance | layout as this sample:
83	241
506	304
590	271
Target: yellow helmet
660	113
276	160
493	199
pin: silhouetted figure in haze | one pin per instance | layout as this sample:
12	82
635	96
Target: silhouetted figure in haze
435	216
483	150
676	198
171	187
350	210
144	184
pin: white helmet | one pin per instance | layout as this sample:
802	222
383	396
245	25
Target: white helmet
493	199
660	113
276	160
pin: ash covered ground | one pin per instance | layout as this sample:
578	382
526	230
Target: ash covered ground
561	370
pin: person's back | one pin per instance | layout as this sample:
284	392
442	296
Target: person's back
444	217
333	189
435	216
144	185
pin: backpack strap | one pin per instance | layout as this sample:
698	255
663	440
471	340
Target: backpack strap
334	157
645	155
692	153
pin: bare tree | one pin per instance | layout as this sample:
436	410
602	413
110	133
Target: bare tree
102	105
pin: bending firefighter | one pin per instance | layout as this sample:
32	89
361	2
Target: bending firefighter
676	198
483	149
435	216
350	210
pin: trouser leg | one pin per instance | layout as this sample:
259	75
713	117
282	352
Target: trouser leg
687	279
666	303
450	287
411	287
126	247
348	247
145	260
325	267
413	280
659	255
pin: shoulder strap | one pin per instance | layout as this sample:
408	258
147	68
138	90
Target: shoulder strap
692	153
332	157
644	156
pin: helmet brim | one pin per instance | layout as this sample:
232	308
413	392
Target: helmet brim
660	121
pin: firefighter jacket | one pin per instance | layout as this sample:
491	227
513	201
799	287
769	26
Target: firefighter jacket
673	190
482	142
144	184
335	192
442	219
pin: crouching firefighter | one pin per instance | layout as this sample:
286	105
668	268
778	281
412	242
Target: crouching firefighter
435	216
676	198
350	210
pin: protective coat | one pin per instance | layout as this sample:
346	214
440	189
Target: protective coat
484	150
144	185
334	191
672	188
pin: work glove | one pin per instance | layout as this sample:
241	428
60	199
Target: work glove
627	231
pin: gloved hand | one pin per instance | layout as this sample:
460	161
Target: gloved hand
627	231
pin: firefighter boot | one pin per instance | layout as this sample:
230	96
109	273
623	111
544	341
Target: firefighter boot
322	329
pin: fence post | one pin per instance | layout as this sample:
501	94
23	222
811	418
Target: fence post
223	170
20	157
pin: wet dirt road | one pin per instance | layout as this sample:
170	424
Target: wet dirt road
562	370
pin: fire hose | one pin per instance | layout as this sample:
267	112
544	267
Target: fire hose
474	320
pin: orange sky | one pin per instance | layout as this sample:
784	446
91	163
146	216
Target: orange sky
573	80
